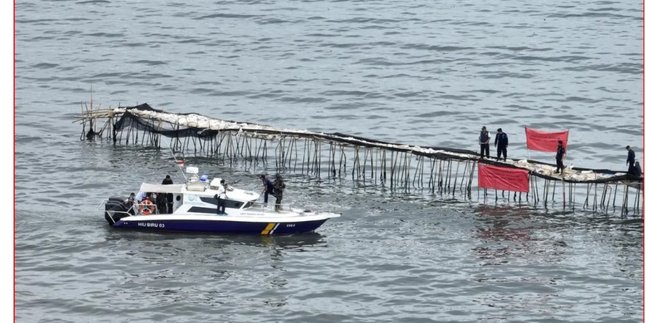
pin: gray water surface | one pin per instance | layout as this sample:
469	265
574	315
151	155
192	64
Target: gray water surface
416	72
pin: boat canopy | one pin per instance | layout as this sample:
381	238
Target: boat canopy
160	188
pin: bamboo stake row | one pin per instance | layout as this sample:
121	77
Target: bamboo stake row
393	168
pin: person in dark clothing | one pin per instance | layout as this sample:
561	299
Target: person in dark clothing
484	142
130	202
501	144
636	171
268	187
169	196
630	161
160	200
279	187
560	151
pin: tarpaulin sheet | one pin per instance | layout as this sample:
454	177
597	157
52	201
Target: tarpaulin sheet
545	141
503	178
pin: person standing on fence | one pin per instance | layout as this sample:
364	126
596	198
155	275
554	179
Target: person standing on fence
630	161
484	142
501	144
279	187
560	151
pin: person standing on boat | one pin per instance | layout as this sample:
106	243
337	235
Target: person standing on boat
221	197
169	196
560	151
167	180
267	187
279	187
484	142
160	201
501	144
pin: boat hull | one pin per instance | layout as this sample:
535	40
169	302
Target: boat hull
219	226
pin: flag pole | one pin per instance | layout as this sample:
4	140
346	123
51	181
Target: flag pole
526	144
178	163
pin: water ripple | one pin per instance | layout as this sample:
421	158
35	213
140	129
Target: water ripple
415	73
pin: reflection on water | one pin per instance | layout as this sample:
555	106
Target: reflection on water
512	247
626	243
197	248
502	222
173	266
294	241
533	258
512	234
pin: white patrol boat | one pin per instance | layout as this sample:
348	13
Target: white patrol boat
195	209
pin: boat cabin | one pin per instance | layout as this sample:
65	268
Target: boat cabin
196	195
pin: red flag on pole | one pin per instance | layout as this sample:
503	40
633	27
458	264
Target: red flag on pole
545	141
503	178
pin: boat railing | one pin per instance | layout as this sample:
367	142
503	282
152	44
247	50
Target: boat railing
135	209
139	208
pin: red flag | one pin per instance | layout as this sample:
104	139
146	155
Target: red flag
545	141
503	178
180	163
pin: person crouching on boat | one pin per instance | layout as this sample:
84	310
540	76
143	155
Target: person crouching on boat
221	197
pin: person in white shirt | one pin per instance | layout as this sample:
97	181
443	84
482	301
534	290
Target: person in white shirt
221	197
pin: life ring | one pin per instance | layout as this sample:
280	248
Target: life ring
147	207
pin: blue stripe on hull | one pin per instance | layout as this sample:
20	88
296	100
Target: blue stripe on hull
220	226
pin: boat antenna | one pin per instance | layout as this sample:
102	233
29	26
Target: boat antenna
178	163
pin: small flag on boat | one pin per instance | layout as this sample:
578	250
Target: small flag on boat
545	141
180	163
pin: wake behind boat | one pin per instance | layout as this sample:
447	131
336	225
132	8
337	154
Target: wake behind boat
194	209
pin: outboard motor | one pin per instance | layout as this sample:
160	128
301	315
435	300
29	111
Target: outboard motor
115	209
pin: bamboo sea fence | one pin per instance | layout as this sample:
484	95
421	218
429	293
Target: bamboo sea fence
444	172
